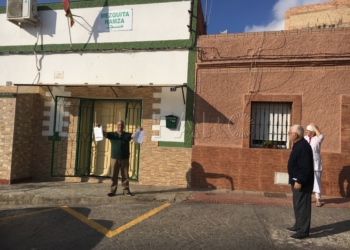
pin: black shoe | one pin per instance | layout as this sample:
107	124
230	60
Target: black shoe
128	193
299	236
111	194
292	229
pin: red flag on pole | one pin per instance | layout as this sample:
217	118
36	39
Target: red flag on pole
68	12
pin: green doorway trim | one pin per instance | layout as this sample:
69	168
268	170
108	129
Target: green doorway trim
171	144
133	115
72	132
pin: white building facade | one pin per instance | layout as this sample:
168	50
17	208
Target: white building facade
121	60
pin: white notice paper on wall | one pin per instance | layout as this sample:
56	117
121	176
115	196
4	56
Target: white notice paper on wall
98	133
139	135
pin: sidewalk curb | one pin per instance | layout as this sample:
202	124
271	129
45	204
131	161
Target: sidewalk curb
84	193
30	199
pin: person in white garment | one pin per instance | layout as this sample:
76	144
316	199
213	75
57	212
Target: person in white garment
315	138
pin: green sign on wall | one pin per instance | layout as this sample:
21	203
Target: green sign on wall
114	20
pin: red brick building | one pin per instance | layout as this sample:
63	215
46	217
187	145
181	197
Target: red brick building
251	87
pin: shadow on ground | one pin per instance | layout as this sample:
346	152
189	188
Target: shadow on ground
330	229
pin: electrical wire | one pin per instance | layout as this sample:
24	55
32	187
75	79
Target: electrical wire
70	36
253	65
38	67
271	57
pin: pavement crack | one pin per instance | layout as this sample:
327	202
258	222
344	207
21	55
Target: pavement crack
263	227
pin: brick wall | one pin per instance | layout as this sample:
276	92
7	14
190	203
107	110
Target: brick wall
7	121
324	15
24	137
254	170
222	95
163	165
238	168
40	169
65	148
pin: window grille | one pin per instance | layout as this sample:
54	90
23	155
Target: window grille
270	124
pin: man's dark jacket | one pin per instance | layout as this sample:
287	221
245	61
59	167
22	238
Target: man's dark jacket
301	165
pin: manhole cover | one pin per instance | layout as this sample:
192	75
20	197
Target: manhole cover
275	195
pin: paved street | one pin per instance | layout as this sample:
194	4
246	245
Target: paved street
168	226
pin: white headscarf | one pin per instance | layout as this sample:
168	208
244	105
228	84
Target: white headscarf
309	127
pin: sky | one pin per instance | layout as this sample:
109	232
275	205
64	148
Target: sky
238	16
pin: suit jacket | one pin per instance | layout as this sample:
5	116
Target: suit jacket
301	165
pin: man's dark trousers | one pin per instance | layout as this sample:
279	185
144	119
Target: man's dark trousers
302	210
123	165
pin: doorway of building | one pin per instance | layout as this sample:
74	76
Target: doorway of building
90	158
108	113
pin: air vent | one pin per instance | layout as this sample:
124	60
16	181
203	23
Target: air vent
14	8
22	11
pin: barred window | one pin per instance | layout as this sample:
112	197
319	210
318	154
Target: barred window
270	124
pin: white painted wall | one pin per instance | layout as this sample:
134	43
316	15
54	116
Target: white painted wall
151	22
171	104
139	68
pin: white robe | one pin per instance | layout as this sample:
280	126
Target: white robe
315	144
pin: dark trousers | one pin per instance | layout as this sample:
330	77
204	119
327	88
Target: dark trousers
123	165
302	211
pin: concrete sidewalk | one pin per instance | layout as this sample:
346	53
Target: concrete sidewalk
83	193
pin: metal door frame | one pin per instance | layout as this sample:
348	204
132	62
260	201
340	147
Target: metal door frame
138	101
56	137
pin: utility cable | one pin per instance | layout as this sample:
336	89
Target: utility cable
37	64
70	36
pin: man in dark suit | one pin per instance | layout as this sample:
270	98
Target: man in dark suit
301	179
